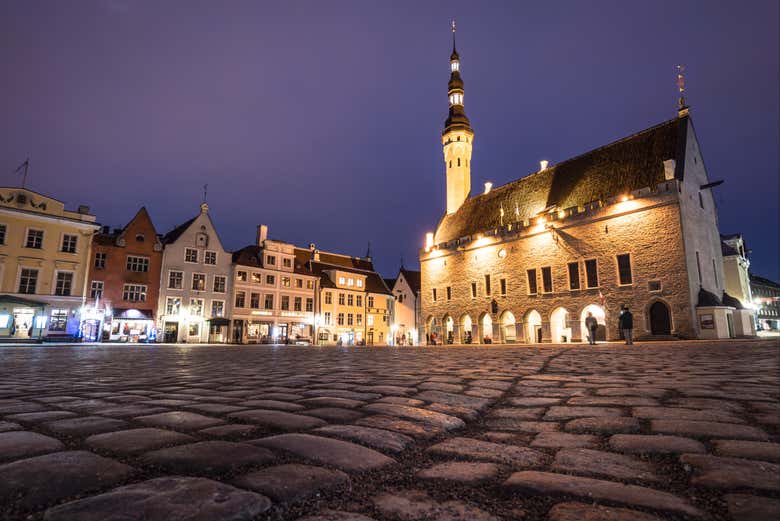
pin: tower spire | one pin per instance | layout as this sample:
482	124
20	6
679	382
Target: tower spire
682	107
452	24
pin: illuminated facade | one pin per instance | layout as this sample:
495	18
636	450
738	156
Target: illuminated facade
407	318
273	297
195	283
124	282
44	258
632	223
353	303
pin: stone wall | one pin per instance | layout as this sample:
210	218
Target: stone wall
646	227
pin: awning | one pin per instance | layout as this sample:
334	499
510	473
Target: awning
133	313
219	321
11	299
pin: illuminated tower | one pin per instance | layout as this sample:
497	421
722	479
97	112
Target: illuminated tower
457	138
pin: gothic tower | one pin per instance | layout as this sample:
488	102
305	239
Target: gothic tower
457	138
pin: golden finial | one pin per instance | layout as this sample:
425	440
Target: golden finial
452	24
681	87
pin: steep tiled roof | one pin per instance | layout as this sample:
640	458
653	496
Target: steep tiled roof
174	234
331	261
631	163
412	278
755	279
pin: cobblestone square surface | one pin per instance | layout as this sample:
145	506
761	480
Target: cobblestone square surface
662	431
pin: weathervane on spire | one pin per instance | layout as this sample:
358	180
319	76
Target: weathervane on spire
681	88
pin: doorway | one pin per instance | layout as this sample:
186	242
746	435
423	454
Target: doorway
282	334
23	322
660	321
171	332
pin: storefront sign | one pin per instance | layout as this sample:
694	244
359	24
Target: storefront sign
707	322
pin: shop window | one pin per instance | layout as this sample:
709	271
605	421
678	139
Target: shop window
194	329
59	320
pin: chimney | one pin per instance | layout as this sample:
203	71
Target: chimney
312	246
543	164
316	255
83	209
262	234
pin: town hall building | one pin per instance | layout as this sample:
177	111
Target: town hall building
632	223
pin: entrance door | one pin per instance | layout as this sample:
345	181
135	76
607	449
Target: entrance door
282	338
171	334
660	323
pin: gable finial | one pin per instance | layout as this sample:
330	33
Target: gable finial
205	192
682	108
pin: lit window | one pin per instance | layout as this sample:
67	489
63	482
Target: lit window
326	318
359	283
196	307
198	281
285	282
454	65
369	320
241	276
96	289
210	257
134	292
59	319
257	278
350	282
172	305
139	264
217	308
342	280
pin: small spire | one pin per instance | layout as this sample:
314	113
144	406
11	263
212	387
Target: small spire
682	107
368	251
452	25
205	192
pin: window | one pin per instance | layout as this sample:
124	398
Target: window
34	239
219	283
369	320
698	266
59	319
196	306
502	283
210	257
473	290
574	275
257	278
340	319
28	280
64	283
194	329
654	285
328	297
370	302
487	284
449	293
359	300
359	283
270	280
254	300
341	299
309	304
134	292
270	260
350	282
342	280
285	304
309	284
69	243
198	281
327	318
3	230
701	201
240	299
241	276
532	289
175	279
100	260
172	305
547	279
269	302
433	292
140	264
287	263
592	273
297	304
96	289
299	283
350	300
285	282
624	269
190	255
350	319
359	319
217	308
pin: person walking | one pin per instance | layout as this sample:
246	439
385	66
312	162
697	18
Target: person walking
592	325
626	323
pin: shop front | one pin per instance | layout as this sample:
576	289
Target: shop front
132	325
218	330
22	319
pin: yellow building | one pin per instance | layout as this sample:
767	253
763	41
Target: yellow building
353	302
44	256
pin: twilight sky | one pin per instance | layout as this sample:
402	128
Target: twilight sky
323	119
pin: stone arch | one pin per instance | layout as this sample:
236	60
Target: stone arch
508	327
466	327
449	329
485	328
432	328
533	326
560	325
600	314
658	317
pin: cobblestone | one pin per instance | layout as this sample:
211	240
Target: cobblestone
660	431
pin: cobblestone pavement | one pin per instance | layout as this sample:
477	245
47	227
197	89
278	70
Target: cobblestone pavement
656	431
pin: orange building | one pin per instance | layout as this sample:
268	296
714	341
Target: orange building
124	282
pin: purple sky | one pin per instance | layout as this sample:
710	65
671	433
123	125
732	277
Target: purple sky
323	119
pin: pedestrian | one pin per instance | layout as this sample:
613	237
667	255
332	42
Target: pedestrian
592	325
626	324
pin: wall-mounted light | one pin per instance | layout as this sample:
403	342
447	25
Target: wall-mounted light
428	241
488	186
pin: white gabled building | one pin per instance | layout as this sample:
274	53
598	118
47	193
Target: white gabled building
195	283
407	318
